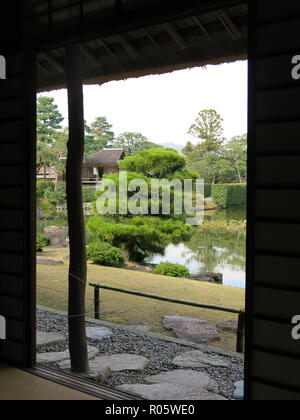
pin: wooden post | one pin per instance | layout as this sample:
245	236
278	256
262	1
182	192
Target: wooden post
78	263
241	333
97	303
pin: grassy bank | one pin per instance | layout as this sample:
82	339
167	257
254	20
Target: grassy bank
124	309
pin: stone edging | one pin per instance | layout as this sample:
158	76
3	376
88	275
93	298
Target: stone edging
216	350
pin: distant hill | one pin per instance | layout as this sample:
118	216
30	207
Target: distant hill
175	146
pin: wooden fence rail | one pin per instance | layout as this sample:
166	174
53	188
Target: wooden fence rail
241	313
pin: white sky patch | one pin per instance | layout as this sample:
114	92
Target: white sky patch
163	107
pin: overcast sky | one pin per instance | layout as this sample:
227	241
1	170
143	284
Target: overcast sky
164	107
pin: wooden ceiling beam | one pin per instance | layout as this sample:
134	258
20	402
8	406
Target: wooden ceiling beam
127	45
53	62
229	25
175	35
201	26
90	56
154	42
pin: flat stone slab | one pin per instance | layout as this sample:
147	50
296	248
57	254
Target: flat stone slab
121	363
197	359
169	392
141	328
98	333
239	391
185	378
45	261
191	329
58	357
231	326
49	339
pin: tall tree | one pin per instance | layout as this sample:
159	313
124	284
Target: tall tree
158	162
49	132
49	119
130	142
78	263
235	152
208	130
98	136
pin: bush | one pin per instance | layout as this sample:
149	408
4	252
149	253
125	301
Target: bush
105	254
172	270
42	187
140	236
41	242
229	195
207	190
88	195
58	196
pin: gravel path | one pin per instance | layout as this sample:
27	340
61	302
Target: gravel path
159	352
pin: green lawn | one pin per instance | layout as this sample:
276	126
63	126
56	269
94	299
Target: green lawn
125	309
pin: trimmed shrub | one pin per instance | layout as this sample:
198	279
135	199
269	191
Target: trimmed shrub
57	197
229	195
105	254
41	242
207	190
42	187
88	195
172	270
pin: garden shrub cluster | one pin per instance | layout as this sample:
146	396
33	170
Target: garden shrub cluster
42	187
58	195
207	190
88	195
229	195
41	242
138	236
105	254
172	270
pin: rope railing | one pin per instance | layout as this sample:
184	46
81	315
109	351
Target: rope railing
241	313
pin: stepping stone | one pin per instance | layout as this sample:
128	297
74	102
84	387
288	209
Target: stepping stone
191	329
231	326
185	378
98	333
239	391
169	392
121	363
115	363
49	339
142	328
59	357
197	359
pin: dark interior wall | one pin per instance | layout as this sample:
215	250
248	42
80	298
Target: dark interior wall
273	357
17	205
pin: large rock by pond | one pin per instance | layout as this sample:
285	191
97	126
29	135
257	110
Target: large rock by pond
57	235
197	359
191	329
209	277
170	392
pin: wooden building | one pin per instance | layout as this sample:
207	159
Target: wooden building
126	38
105	162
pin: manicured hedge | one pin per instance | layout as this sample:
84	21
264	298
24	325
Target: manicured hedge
105	254
207	190
88	195
172	270
229	195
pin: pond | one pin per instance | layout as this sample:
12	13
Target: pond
214	249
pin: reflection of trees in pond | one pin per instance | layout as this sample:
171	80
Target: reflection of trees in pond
215	247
